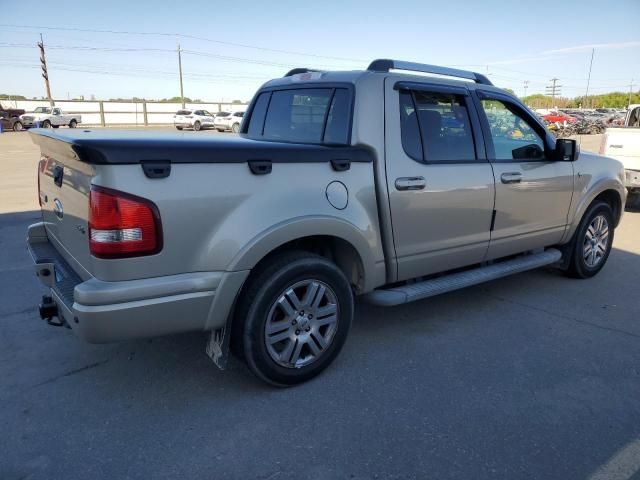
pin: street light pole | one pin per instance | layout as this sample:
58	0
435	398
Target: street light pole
180	70
586	95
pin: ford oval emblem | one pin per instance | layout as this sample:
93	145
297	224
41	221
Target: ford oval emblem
57	208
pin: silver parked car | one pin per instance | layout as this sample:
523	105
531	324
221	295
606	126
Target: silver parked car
196	119
390	186
230	122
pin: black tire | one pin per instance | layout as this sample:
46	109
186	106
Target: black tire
73	123
578	266
46	124
197	126
633	200
18	127
258	299
179	128
235	128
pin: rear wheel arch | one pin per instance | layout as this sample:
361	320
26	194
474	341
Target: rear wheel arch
336	249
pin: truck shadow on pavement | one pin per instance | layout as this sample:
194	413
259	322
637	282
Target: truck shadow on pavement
380	337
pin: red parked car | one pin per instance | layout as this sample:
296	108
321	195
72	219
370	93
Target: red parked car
559	117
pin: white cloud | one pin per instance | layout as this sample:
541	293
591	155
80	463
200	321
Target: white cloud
597	46
514	61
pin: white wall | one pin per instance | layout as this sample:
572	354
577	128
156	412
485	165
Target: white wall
123	113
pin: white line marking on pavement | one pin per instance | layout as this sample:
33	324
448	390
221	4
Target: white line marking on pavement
622	465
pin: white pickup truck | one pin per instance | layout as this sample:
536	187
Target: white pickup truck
623	144
47	117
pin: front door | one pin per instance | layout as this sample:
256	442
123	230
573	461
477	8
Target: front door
533	192
441	187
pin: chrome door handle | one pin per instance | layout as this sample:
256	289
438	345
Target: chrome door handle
511	177
410	183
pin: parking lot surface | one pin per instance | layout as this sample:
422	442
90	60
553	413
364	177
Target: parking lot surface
535	376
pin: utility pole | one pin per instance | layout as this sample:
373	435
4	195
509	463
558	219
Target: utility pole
630	91
586	95
553	90
180	70
45	75
526	85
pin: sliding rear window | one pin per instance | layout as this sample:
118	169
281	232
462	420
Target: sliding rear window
302	115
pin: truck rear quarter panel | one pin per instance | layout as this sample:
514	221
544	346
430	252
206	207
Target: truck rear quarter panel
221	217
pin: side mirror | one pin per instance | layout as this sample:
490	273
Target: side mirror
566	150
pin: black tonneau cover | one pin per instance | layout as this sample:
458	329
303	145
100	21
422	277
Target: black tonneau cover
121	147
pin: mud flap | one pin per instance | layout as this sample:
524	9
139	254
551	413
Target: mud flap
218	347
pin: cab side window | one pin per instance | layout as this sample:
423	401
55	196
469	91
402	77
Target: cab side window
512	136
634	118
435	127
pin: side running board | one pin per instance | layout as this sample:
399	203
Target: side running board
454	281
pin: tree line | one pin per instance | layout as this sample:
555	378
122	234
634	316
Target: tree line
604	100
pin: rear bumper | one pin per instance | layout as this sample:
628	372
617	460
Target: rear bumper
632	178
101	312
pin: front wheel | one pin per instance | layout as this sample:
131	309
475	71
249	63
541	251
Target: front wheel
293	318
235	128
46	124
197	126
73	124
593	241
17	127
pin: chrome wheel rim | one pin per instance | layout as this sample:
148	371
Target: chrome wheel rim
17	127
301	324
595	242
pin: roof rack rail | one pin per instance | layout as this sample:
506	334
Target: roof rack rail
296	71
384	65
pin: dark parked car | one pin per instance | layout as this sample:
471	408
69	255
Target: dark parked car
10	119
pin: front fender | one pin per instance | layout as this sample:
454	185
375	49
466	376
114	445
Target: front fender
591	185
314	225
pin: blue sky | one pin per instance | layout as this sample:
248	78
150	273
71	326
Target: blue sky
511	41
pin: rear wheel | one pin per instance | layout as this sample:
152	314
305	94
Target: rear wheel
235	128
46	124
73	123
293	318
197	126
592	244
17	127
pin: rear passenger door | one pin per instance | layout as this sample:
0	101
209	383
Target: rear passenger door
441	187
533	192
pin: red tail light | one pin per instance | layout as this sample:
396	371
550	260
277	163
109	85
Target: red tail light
40	163
42	166
122	225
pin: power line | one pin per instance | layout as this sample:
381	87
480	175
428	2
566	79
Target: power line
553	89
183	35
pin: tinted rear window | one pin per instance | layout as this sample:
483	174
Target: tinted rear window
304	115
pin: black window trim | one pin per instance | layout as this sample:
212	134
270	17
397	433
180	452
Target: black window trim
476	131
523	111
244	129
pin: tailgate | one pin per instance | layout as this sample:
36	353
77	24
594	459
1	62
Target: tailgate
623	144
64	184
